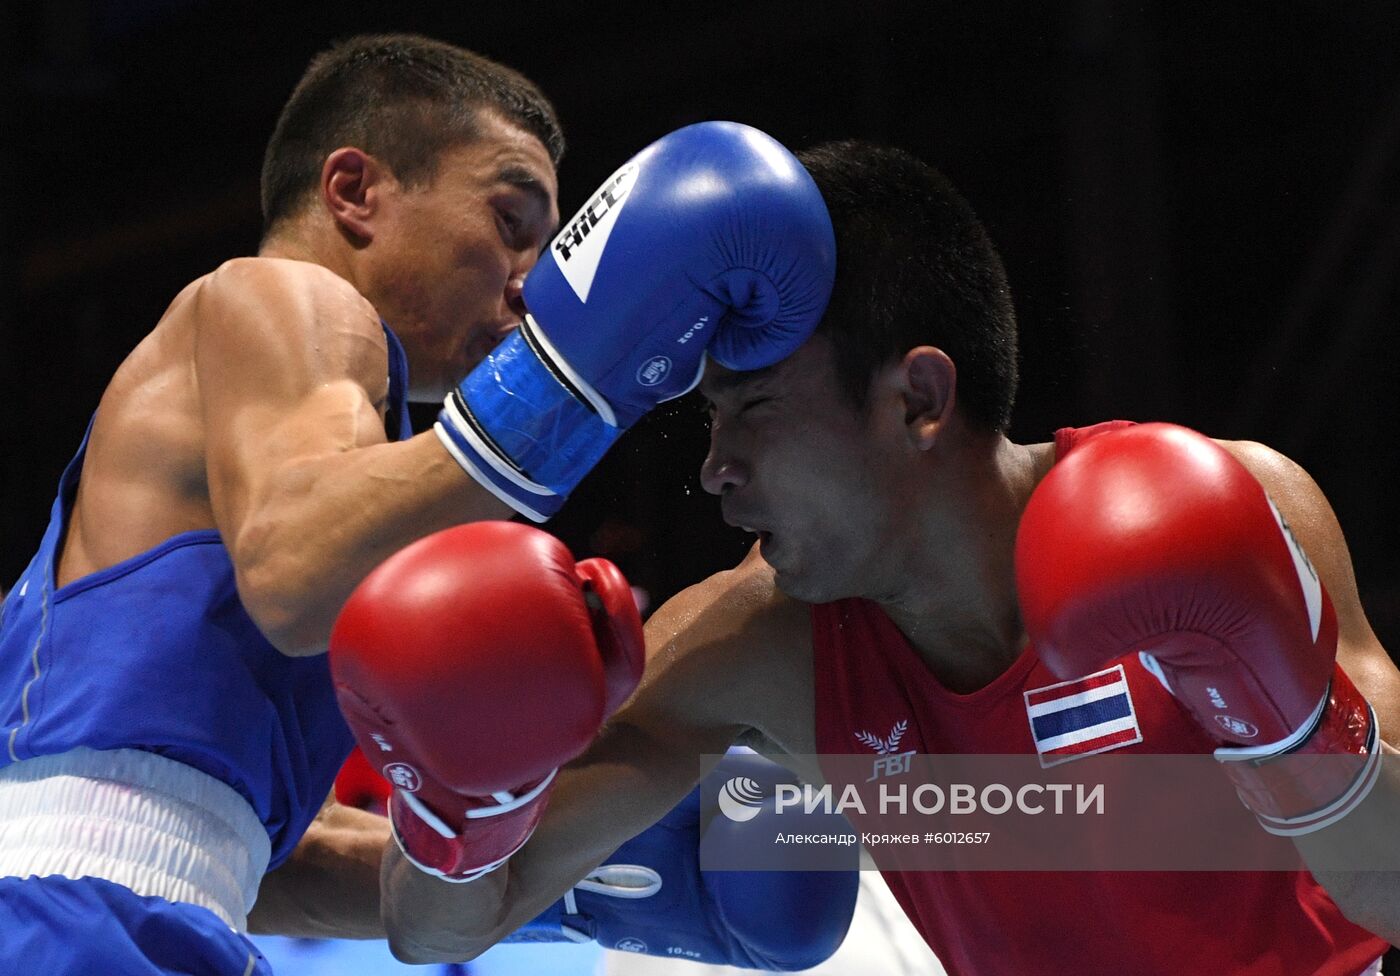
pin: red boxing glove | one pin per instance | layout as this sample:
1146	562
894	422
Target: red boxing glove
470	666
1155	539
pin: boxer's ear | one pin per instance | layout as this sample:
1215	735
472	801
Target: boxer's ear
351	185
928	384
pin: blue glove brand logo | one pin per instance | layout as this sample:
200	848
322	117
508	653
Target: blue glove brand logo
654	370
631	945
740	799
609	195
579	248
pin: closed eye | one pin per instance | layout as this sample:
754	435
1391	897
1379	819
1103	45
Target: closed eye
710	409
510	224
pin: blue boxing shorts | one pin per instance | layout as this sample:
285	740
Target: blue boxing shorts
56	926
125	863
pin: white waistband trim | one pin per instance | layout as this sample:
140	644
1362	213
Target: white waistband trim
137	819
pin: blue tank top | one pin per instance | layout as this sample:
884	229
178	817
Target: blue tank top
157	653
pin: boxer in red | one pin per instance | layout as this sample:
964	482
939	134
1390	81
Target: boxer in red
888	586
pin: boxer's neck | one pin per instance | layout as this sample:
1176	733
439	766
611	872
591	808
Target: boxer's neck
957	604
300	239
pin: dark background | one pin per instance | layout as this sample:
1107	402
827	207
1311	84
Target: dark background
1197	205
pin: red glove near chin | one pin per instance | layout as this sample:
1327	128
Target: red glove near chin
470	666
1155	539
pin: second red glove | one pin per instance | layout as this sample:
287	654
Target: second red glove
1157	540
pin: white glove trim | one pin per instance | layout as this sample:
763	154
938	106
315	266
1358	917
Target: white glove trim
1271	749
515	804
605	411
476	873
480	478
622	881
421	811
1349	801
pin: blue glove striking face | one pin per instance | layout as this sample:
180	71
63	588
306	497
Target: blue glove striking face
714	238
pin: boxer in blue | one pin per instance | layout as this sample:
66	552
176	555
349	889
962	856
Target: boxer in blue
169	725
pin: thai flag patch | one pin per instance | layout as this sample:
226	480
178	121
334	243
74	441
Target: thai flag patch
1082	717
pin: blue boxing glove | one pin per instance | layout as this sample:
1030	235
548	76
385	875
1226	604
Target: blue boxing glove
713	238
651	897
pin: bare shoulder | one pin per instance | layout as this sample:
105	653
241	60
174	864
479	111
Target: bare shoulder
740	653
287	323
277	297
251	278
1303	506
739	608
1278	473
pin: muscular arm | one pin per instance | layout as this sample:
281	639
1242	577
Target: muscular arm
726	656
291	368
1368	834
329	887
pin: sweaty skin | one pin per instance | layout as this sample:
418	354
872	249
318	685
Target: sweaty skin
256	407
730	659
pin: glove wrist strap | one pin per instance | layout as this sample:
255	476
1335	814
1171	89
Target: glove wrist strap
452	871
482	840
1303	786
526	426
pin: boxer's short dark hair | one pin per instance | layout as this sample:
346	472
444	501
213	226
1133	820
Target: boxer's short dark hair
399	97
914	266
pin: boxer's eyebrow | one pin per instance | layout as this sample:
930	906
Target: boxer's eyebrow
715	383
529	184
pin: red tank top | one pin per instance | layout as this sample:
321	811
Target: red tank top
869	678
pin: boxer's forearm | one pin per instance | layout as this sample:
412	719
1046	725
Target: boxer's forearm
329	887
319	524
1367	836
623	785
645	760
291	367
